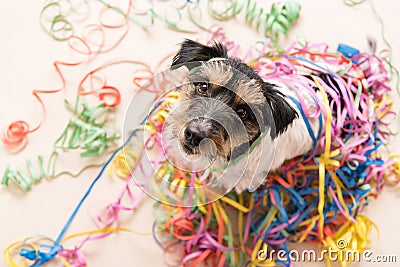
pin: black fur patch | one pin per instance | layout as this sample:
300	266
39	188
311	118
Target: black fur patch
283	114
192	52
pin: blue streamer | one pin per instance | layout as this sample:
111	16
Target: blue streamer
43	257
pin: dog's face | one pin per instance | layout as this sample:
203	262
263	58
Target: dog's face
220	107
224	106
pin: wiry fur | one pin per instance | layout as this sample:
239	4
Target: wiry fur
232	87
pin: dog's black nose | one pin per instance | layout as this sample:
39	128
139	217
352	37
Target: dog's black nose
194	135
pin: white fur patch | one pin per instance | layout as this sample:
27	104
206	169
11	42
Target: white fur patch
217	72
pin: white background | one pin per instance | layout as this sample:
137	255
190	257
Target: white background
27	54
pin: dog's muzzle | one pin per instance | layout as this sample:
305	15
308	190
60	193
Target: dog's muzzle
194	135
201	132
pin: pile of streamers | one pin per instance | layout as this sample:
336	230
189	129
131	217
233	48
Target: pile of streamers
317	198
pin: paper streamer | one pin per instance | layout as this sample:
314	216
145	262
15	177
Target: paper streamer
89	131
91	42
313	198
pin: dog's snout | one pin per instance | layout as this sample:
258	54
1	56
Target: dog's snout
194	135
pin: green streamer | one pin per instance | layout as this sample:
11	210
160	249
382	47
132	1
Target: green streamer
26	177
278	20
85	132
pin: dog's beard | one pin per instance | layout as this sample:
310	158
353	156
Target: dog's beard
247	171
190	158
214	151
205	153
215	147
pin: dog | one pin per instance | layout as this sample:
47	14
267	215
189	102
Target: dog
228	119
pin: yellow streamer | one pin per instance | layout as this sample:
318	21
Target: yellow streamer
350	239
237	205
324	159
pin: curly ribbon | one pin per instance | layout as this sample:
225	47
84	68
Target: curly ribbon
40	254
30	251
324	161
87	45
86	132
350	238
25	179
123	163
33	250
54	17
153	15
15	135
314	199
279	20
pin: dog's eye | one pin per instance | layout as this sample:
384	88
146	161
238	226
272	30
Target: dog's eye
201	87
242	113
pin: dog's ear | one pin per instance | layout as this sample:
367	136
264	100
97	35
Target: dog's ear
192	52
283	113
